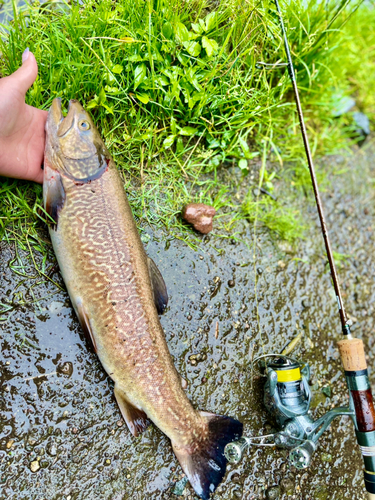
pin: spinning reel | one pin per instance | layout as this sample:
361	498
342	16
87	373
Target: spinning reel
287	397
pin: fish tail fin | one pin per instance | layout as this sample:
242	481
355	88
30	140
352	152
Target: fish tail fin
204	463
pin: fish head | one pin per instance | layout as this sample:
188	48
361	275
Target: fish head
73	144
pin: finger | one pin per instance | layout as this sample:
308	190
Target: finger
25	76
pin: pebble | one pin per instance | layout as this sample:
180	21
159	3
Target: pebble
306	303
259	270
287	485
65	368
180	486
52	449
231	283
204	380
120	423
273	493
200	216
281	264
34	466
10	444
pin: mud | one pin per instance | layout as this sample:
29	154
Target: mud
58	416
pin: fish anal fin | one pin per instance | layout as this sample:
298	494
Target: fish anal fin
85	324
158	286
204	462
184	383
135	419
53	194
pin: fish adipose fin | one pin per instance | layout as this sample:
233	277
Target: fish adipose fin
205	463
158	286
135	419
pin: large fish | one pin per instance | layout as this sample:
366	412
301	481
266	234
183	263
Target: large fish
117	292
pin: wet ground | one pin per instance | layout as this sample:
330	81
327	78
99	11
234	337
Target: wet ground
61	433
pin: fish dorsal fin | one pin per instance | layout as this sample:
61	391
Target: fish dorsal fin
135	419
54	196
158	286
85	324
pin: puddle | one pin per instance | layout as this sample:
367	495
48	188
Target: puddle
58	416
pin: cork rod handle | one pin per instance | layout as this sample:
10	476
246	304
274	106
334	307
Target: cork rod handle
352	355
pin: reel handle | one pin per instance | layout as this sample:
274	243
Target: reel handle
353	358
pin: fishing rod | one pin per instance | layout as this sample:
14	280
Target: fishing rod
287	393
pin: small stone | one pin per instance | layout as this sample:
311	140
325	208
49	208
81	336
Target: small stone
180	486
281	264
326	457
193	362
120	423
52	449
200	216
75	430
201	257
327	391
273	493
204	380
108	462
287	485
10	444
259	270
363	123
65	414
231	283
189	317
65	368
34	466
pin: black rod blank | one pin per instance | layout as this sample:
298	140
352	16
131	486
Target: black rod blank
343	316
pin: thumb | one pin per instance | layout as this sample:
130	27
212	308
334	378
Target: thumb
26	75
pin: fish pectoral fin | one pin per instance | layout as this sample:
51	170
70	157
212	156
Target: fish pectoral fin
135	419
85	324
158	286
54	196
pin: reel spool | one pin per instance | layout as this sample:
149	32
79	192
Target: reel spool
287	397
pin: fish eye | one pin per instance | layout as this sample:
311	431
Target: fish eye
84	125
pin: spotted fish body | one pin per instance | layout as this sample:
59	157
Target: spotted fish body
116	291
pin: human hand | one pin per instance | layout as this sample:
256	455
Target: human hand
22	135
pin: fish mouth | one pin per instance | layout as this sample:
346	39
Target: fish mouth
57	123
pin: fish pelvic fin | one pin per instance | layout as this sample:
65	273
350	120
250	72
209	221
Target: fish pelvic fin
159	288
135	419
204	463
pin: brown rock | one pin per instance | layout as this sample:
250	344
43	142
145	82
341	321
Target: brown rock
200	216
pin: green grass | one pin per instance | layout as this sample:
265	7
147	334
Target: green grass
178	93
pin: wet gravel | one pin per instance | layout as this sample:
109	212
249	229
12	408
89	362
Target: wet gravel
61	433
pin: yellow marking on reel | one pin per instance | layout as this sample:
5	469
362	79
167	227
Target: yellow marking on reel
288	375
